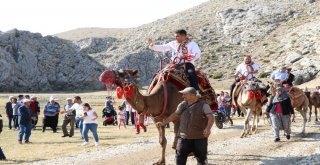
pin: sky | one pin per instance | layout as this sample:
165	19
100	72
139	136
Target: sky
54	16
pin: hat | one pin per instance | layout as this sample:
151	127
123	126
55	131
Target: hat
289	68
33	97
52	98
26	100
189	90
11	97
280	88
69	98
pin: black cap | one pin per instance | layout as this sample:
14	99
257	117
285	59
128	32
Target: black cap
77	97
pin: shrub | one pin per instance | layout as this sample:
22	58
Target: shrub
217	75
263	75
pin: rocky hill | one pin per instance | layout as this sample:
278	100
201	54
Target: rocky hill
32	63
274	32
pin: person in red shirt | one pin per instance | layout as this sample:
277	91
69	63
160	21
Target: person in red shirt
35	109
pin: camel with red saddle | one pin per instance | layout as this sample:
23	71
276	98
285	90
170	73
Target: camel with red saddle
162	97
299	101
249	97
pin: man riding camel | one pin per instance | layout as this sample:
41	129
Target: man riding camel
245	71
184	52
280	76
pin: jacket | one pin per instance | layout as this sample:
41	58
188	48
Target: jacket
286	106
9	109
24	115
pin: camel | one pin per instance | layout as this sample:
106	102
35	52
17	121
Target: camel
314	100
299	101
246	97
160	102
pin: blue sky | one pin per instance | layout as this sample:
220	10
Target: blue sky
54	16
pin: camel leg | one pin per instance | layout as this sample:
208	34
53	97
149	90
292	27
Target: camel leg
246	128
163	143
253	127
316	113
310	113
303	113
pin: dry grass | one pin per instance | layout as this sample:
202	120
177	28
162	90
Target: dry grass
50	145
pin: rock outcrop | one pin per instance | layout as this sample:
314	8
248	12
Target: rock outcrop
32	63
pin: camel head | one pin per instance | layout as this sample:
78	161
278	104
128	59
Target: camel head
120	77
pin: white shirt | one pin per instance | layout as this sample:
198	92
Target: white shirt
279	75
89	117
193	50
128	107
78	108
244	70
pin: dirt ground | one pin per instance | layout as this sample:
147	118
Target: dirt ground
225	147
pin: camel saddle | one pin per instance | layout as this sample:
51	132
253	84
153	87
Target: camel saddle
296	96
253	87
176	74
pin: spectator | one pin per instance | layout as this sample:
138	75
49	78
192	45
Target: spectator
25	118
196	121
90	122
35	109
220	99
121	116
130	113
1	124
15	107
27	97
20	98
109	102
227	104
69	117
139	121
78	107
51	109
9	112
280	110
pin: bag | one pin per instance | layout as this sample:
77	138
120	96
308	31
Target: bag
2	157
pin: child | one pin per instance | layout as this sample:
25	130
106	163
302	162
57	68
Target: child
121	116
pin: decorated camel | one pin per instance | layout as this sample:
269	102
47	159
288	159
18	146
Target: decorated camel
314	100
249	97
299	101
162	97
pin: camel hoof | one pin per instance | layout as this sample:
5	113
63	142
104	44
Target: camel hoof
309	120
317	120
160	162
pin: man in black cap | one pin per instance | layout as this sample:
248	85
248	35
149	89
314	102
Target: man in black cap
291	77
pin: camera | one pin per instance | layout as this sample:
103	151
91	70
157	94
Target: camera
86	114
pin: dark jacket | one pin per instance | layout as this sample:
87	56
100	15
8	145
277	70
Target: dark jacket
1	123
24	115
286	106
9	109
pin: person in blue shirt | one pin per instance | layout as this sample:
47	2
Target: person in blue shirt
25	121
50	112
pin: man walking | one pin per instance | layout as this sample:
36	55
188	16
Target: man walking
25	118
69	117
9	112
78	107
195	127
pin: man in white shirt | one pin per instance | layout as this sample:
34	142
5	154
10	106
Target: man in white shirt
78	107
281	75
245	71
184	51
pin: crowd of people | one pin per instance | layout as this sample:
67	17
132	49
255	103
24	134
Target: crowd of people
23	113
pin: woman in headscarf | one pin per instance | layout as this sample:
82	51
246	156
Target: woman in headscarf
280	113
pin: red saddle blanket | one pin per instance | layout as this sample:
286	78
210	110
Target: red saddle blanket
178	76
